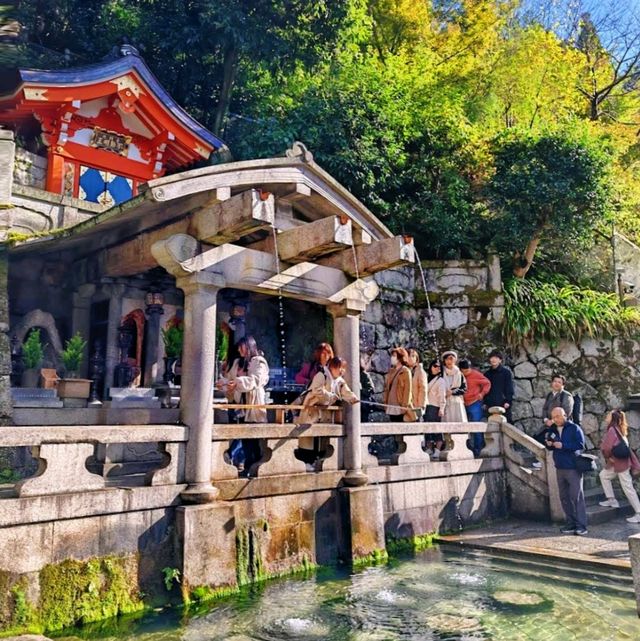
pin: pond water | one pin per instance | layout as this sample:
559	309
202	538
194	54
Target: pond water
440	595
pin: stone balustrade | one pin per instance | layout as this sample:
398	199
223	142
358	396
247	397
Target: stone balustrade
278	443
63	452
411	441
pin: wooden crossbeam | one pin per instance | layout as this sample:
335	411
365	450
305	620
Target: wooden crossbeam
315	239
239	216
223	221
372	258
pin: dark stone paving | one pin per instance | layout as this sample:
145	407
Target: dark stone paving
604	545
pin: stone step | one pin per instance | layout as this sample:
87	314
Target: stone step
598	514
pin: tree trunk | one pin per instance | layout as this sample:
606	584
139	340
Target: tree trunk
523	262
229	75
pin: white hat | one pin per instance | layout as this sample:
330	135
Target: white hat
449	352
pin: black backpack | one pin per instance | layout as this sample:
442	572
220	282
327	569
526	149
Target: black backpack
576	414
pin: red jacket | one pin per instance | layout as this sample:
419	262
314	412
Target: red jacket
478	386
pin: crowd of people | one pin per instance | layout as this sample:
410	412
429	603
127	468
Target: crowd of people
448	390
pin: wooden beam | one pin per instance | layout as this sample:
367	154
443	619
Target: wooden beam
238	216
297	191
319	238
134	256
228	220
372	258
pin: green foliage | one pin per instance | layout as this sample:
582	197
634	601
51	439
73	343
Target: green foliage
32	350
173	337
553	186
540	311
73	353
170	575
222	345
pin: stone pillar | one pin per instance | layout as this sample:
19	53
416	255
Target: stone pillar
81	321
634	548
346	338
198	364
112	351
363	523
7	157
152	343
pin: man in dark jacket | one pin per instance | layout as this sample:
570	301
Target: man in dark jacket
557	397
566	439
501	379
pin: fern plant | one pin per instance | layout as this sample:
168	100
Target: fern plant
536	310
73	353
32	350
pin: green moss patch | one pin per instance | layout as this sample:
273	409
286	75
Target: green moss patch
78	592
377	557
411	544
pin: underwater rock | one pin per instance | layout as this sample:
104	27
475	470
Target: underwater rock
526	601
449	623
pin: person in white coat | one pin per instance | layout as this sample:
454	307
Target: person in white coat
245	384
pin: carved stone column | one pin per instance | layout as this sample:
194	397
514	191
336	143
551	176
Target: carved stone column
152	342
198	363
346	337
112	351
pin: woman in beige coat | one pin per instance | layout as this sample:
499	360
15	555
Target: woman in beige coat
398	395
418	383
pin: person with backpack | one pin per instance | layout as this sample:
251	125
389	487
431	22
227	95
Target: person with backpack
557	397
621	462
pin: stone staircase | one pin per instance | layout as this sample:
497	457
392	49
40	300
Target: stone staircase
593	494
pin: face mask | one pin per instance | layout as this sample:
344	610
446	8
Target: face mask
394	359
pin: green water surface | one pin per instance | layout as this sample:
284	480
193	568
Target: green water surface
440	595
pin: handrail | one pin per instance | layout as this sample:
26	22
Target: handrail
275	430
378	429
33	435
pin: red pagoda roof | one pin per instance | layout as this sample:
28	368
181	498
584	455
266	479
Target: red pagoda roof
112	111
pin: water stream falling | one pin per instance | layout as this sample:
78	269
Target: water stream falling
283	338
432	338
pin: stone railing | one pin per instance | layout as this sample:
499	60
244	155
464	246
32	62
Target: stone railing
278	445
532	465
64	453
411	441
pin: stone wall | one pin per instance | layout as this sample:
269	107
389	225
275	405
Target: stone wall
468	306
29	169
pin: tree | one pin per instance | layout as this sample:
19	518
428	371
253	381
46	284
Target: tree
387	135
553	187
195	47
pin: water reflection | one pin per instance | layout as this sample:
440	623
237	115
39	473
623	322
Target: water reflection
438	596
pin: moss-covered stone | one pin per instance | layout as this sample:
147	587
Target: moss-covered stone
72	592
377	557
411	544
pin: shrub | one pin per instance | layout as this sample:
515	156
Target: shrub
538	311
32	350
73	353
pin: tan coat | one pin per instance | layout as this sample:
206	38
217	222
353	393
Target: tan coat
397	391
419	387
250	388
321	395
